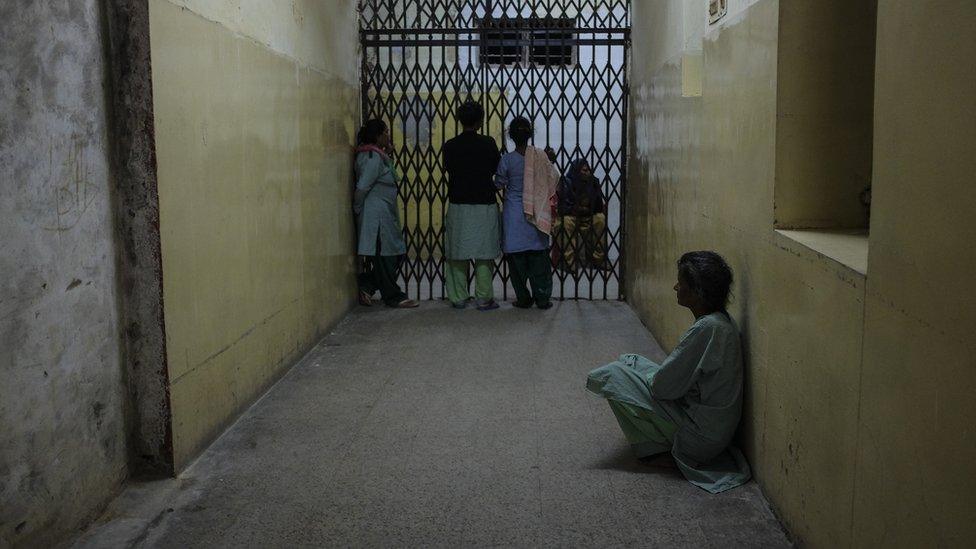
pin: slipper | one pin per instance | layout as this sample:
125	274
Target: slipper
488	305
407	304
365	299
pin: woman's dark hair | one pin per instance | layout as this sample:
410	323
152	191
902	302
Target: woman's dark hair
709	276
470	114
520	130
370	132
576	168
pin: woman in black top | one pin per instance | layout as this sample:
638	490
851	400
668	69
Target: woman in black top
472	229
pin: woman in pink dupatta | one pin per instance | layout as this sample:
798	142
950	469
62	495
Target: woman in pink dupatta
380	242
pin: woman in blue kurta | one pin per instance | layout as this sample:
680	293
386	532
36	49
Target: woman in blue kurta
525	244
377	217
690	404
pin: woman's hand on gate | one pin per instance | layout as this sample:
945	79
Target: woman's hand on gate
551	154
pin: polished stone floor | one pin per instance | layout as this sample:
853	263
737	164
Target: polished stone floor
437	427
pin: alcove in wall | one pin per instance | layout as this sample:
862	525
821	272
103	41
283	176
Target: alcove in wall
824	128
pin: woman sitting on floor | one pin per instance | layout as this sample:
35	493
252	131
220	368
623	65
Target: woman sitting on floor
690	404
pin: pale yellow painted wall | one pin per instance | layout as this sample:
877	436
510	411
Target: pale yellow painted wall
702	177
255	109
916	472
825	85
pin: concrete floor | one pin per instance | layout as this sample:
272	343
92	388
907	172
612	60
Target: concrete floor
436	427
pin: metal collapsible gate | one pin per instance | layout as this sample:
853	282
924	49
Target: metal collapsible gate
560	63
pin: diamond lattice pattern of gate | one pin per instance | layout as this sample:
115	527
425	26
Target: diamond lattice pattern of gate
560	63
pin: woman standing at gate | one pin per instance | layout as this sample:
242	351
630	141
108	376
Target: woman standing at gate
377	217
529	180
472	231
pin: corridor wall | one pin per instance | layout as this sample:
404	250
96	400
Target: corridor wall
255	110
62	413
859	380
916	466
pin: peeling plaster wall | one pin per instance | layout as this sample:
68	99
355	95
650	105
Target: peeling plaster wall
255	107
859	388
310	31
62	449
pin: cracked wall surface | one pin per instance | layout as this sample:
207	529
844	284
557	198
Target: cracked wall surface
238	184
62	419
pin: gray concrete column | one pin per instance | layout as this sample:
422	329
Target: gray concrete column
137	215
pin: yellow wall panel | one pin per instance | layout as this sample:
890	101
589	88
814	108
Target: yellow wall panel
916	478
825	84
703	178
254	151
859	387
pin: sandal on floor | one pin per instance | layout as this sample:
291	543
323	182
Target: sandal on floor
407	304
365	299
488	305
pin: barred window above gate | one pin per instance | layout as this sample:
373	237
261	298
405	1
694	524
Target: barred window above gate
531	41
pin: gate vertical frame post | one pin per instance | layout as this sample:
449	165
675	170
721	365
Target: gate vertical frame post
624	167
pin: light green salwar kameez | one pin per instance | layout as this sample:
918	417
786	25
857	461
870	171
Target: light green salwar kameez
647	432
456	280
380	240
689	405
375	204
472	233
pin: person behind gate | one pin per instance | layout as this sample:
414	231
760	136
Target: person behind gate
529	179
377	217
472	231
581	222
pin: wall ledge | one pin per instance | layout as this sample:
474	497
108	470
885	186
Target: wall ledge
848	247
